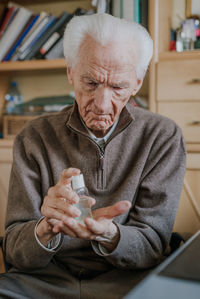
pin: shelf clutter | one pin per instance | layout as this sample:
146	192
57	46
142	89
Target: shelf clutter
185	27
31	39
25	35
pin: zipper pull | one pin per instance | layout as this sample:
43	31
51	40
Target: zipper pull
101	163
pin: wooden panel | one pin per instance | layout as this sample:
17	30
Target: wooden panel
39	84
186	115
2	269
193	162
5	169
186	218
193	179
178	80
164	24
6	155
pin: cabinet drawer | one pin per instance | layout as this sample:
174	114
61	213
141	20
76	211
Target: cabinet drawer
178	80
186	115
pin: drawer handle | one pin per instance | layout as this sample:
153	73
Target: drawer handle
195	123
194	81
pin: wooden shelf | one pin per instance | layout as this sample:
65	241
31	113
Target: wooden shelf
173	55
32	65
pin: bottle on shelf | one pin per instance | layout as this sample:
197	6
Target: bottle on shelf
78	185
13	99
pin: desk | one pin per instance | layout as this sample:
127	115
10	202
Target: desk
177	277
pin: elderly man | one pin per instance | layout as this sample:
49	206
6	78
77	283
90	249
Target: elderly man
133	162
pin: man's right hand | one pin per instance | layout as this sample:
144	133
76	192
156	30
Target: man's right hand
58	206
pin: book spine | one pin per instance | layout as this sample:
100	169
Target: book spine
8	56
6	20
35	46
56	51
34	35
54	34
137	11
18	23
42	15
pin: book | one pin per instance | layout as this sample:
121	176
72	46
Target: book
117	8
31	38
35	45
42	15
53	35
7	19
137	11
144	13
3	15
20	19
20	38
56	51
128	10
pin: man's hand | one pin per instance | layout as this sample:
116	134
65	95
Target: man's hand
99	228
60	215
58	206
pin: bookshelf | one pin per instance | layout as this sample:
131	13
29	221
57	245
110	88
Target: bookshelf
39	71
174	91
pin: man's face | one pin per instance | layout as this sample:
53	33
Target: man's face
103	80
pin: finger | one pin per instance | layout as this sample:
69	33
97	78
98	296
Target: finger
63	191
62	228
61	205
50	212
78	229
67	174
110	212
95	227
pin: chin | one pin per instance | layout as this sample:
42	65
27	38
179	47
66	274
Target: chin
100	126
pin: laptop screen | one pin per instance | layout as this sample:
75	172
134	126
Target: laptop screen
187	264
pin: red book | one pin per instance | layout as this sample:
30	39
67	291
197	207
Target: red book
7	19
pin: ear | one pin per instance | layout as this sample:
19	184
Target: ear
70	75
137	86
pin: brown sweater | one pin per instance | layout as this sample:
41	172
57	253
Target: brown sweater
144	162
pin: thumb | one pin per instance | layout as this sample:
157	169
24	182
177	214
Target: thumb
110	212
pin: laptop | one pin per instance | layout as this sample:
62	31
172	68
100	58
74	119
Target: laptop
177	277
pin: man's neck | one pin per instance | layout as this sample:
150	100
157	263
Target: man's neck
100	134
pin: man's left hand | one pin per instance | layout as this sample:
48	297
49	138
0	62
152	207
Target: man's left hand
99	228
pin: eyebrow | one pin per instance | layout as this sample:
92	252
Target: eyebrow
120	84
88	77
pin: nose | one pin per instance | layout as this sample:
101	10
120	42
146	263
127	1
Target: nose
102	99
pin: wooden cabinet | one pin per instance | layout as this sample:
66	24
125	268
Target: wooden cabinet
174	91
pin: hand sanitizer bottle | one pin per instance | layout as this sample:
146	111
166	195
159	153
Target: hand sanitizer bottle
78	185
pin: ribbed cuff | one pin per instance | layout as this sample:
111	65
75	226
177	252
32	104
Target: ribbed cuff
53	244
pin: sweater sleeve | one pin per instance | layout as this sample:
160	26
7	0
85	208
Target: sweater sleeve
23	212
145	236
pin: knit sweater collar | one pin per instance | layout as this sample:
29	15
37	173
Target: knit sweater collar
74	121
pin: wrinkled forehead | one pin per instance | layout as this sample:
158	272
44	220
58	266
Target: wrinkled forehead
114	55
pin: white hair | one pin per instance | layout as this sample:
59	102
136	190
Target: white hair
104	29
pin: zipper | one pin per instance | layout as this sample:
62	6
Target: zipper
100	170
